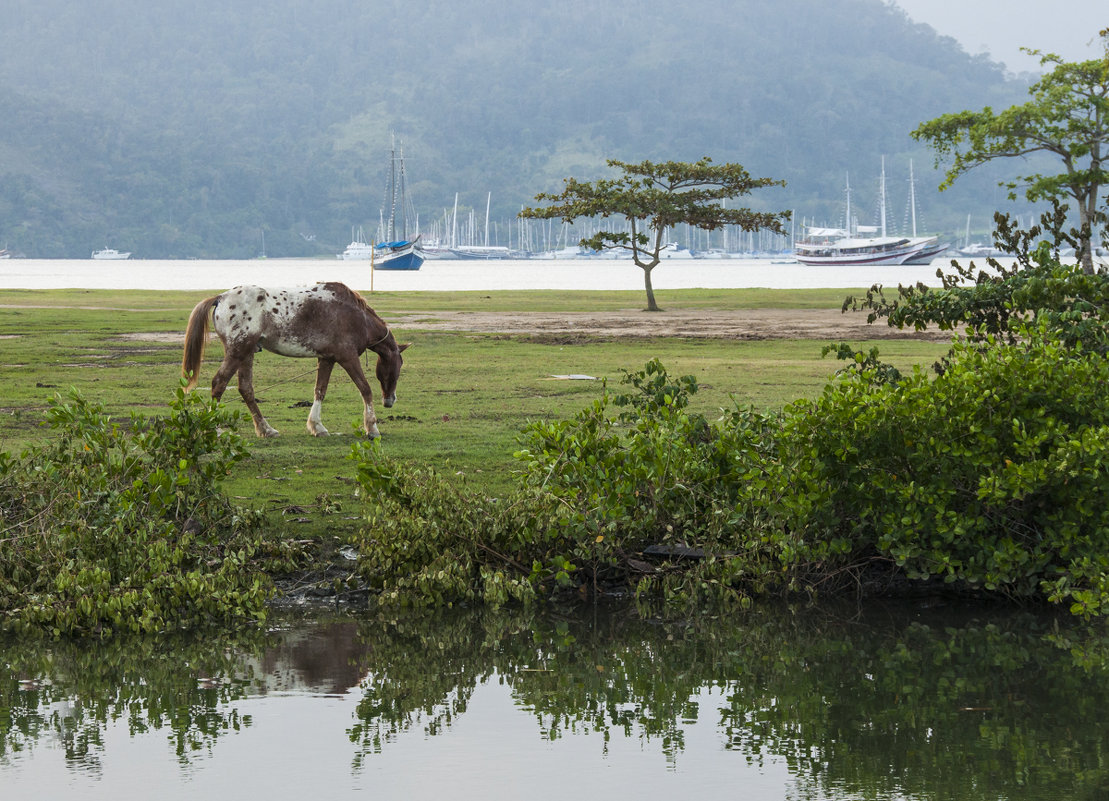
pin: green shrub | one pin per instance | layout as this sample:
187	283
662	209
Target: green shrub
994	473
430	542
595	491
657	475
123	527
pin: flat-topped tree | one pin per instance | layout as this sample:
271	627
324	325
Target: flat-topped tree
653	197
1068	116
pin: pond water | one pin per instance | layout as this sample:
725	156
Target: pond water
450	275
905	702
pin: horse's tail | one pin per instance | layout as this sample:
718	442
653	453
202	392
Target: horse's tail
196	335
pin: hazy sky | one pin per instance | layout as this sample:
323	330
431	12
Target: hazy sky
1001	27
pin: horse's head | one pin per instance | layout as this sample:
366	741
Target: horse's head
389	362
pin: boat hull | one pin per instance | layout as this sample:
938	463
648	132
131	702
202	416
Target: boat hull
399	256
110	255
919	251
409	261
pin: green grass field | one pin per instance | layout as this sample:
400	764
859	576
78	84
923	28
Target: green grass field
463	396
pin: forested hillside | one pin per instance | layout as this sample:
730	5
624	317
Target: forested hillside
188	128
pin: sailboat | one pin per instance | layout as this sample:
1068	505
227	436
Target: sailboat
976	248
398	252
471	251
857	244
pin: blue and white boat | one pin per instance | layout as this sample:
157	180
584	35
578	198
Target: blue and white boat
398	252
399	255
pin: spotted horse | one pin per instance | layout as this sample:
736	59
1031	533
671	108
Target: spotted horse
328	321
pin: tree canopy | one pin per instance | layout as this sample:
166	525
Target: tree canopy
653	198
1067	117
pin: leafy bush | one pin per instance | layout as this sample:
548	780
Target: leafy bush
659	479
995	473
123	527
432	543
596	491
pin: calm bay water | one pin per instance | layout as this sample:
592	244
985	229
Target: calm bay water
884	703
450	275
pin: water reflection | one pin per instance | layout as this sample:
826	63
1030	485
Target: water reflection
812	704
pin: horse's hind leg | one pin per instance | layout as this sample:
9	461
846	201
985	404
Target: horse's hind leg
369	419
323	375
246	390
226	369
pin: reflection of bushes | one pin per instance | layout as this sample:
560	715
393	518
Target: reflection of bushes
66	692
861	705
926	706
123	527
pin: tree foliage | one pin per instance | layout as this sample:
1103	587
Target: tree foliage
1067	118
980	303
654	198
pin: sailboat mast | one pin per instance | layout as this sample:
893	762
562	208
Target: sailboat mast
402	196
391	232
454	223
912	195
882	196
848	190
488	200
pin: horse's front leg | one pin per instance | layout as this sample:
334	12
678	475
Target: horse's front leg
246	389
369	419
323	375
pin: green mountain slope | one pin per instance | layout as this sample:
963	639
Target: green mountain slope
187	128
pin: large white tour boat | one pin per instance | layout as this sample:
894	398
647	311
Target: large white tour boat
858	244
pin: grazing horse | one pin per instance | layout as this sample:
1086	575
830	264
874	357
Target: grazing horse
327	321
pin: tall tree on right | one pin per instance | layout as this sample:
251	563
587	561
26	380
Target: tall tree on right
1068	116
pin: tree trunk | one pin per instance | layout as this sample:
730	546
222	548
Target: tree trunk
1088	220
1088	260
651	305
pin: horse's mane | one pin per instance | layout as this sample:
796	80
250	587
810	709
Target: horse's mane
346	293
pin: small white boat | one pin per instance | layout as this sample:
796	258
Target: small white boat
977	249
481	252
110	253
358	249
